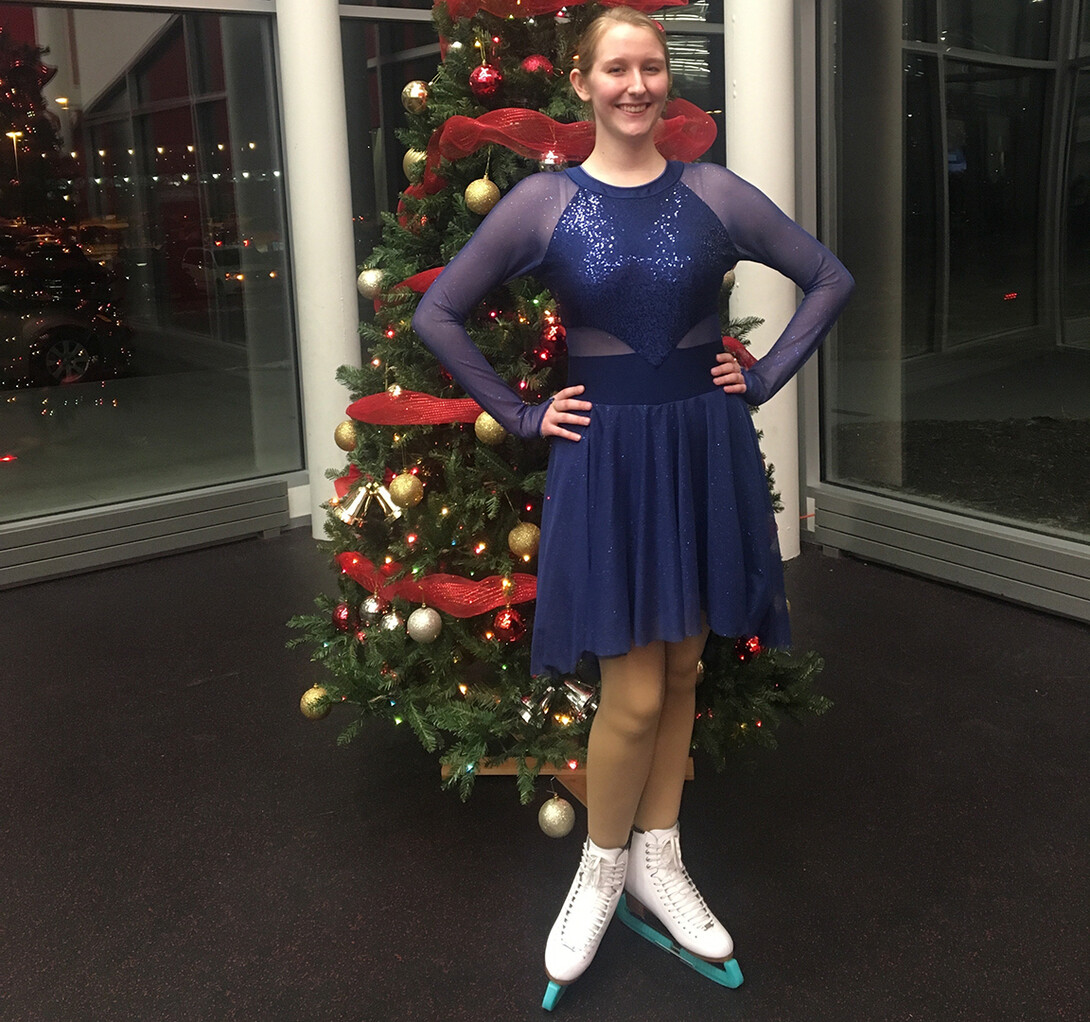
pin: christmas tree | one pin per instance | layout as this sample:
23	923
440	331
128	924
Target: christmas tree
433	522
33	185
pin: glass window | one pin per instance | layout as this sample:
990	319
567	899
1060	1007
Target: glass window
1014	28
993	144
147	346
1076	290
920	20
954	379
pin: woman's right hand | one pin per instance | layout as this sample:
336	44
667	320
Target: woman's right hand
561	411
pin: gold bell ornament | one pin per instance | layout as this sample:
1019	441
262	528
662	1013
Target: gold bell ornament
359	500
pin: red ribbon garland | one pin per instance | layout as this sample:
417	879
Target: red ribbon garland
418	282
686	133
411	408
457	596
745	357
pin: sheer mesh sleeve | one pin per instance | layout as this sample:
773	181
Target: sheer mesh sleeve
763	233
510	242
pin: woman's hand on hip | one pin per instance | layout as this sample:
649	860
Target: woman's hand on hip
561	413
728	374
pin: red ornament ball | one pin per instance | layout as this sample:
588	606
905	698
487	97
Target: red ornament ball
508	625
747	649
536	62
344	618
485	81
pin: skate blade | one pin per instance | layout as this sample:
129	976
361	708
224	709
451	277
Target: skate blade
553	992
727	974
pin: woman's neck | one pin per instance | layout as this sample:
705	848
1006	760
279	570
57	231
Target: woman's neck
624	166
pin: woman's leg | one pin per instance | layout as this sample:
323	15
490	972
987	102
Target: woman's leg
622	740
661	799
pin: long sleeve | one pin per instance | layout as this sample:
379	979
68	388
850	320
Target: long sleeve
761	232
510	242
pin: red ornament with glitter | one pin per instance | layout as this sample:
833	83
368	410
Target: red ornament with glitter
485	81
344	618
536	62
508	625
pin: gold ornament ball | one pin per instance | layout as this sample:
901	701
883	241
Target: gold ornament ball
728	280
482	195
414	97
369	283
413	163
315	703
344	436
406	490
488	430
523	539
556	817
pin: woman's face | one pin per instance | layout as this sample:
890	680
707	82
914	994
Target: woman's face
627	82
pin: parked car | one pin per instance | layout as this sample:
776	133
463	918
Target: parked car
228	269
47	342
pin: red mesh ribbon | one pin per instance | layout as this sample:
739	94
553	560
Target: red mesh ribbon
745	359
411	408
457	596
686	133
532	8
418	282
342	484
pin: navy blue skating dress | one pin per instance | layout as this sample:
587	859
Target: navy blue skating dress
660	513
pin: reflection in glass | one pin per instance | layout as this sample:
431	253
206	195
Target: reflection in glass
993	146
1013	28
1076	291
145	326
920	20
949	382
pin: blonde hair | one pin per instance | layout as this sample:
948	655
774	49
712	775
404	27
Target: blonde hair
587	47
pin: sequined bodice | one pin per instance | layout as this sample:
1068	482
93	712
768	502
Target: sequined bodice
643	266
634	270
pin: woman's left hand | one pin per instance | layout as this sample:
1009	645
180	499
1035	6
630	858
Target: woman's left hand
728	374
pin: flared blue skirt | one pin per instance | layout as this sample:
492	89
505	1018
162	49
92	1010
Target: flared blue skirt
658	517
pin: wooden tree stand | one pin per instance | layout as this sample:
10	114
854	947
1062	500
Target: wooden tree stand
574	780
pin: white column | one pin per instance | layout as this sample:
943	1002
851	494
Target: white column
320	211
760	128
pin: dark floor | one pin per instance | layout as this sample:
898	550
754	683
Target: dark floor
178	842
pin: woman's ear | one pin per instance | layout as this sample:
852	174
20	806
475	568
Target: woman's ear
578	84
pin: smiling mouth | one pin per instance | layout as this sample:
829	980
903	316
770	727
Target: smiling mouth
633	108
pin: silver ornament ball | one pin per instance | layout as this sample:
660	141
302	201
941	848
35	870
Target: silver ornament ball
391	621
556	817
424	624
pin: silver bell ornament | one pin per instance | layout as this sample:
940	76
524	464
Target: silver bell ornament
556	817
424	624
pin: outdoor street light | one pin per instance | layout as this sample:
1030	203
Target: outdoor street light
15	136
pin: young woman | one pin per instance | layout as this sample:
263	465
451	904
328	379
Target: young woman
657	524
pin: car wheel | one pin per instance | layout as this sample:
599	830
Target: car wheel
68	357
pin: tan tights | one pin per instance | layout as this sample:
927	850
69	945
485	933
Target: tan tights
639	742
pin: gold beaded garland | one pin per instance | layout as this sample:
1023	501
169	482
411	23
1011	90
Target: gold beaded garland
488	430
406	490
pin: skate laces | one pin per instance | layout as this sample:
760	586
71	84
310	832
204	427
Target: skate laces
591	901
669	872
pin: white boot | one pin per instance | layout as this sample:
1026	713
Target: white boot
658	882
587	910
